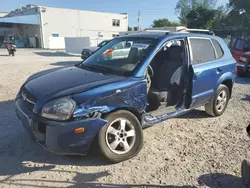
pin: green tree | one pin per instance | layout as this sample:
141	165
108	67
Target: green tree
164	22
201	17
183	7
240	14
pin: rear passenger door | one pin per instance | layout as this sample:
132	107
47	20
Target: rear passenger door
205	59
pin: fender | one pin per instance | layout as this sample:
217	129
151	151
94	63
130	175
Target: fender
224	77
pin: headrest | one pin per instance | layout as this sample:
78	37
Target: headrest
175	53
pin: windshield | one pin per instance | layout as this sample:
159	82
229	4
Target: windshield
240	44
102	43
120	56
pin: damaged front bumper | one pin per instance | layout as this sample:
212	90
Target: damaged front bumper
59	137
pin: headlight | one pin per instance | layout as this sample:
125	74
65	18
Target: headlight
59	109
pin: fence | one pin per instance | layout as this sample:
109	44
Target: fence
76	44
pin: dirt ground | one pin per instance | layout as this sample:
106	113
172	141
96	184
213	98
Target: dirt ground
193	150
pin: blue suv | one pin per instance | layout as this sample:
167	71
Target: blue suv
112	95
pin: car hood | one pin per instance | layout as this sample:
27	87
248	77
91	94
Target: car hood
92	48
66	81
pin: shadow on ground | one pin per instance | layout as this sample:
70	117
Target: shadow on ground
195	114
246	98
219	180
81	180
55	54
242	80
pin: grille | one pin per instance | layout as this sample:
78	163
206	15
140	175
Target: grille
28	99
86	53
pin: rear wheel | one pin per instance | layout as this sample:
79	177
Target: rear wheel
218	104
121	138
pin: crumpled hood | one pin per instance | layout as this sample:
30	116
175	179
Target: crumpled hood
66	81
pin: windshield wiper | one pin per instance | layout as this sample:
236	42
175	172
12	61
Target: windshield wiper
94	68
101	69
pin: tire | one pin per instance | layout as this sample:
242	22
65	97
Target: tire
108	135
245	173
211	108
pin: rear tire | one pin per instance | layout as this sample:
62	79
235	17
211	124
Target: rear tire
122	137
219	102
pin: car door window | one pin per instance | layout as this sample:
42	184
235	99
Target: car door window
202	50
218	49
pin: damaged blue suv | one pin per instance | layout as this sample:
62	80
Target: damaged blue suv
116	92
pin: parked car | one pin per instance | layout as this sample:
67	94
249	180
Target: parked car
86	52
113	99
238	47
243	65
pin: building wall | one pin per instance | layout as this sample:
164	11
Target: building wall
78	23
25	32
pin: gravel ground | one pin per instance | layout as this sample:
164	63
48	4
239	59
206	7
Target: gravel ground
190	151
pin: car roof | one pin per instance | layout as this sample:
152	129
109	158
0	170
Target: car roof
165	35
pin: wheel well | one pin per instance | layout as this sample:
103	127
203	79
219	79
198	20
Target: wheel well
229	84
132	110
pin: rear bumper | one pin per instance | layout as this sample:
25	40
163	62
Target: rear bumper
243	68
59	137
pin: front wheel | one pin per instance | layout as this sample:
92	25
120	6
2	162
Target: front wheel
122	137
219	102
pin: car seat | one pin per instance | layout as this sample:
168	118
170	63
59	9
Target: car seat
163	85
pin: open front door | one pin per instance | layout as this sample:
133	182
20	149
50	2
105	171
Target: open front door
189	87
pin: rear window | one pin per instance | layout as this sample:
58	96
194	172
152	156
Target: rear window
202	50
218	49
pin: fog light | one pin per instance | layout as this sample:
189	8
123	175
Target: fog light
79	130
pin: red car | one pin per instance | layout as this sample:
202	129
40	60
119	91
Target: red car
240	49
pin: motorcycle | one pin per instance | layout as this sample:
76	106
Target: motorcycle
11	49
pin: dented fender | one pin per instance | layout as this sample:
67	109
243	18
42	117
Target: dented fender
132	97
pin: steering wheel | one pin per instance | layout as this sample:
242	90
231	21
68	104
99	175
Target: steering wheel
150	71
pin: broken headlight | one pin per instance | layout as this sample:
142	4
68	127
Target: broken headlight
60	109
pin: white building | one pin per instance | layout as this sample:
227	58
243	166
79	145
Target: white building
46	25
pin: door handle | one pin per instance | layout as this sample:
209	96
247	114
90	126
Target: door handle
219	70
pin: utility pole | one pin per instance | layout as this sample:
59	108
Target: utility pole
193	4
139	20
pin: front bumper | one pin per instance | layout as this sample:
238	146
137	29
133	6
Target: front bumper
243	68
59	137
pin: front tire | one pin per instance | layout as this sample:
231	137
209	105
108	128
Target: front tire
122	137
219	102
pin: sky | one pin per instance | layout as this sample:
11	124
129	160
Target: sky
149	9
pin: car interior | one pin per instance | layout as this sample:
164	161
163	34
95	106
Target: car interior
165	78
